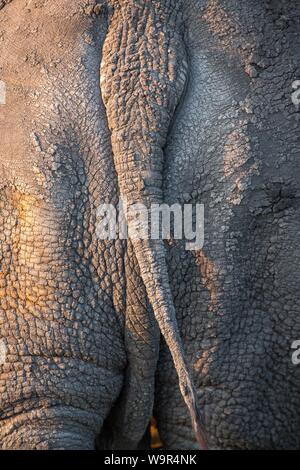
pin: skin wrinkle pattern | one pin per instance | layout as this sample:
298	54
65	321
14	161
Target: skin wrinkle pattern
237	153
155	81
32	213
180	102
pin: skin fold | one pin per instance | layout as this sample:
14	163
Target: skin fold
163	101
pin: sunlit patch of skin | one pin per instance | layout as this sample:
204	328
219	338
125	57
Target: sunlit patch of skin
203	363
237	153
3	352
155	438
209	275
217	19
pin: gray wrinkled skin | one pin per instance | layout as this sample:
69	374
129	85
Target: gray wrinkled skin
216	125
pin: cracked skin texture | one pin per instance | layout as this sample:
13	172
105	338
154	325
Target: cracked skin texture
75	344
234	146
80	339
143	76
